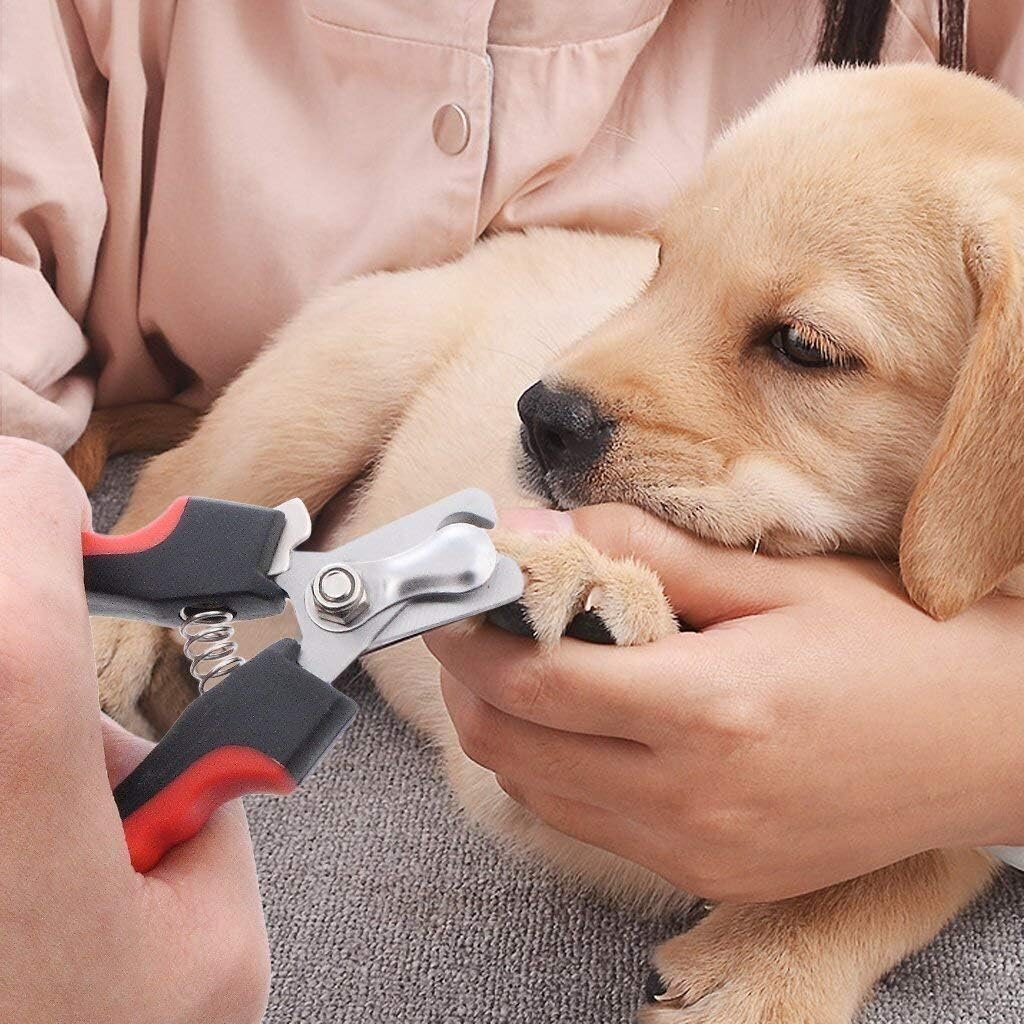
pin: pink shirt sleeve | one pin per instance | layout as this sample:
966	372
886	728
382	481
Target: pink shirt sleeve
51	223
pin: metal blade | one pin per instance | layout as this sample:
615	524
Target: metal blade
297	528
328	648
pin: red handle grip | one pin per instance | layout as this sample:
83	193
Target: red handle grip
149	536
180	810
200	553
261	730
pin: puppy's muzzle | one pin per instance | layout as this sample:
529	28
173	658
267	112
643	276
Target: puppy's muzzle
564	431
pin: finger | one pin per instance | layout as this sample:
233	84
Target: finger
44	512
213	856
46	664
47	669
608	830
595	769
704	582
220	849
123	751
208	887
41	594
575	686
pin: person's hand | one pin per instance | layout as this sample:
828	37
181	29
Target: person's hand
82	936
818	727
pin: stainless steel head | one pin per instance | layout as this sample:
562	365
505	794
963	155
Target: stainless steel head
430	568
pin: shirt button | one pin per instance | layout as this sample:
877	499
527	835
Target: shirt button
451	129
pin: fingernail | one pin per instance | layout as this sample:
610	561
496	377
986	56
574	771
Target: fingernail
541	522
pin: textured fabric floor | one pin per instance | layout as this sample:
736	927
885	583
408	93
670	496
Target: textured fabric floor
383	905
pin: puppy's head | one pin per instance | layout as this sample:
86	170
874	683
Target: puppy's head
830	355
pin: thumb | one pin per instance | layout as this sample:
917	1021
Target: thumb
705	583
122	750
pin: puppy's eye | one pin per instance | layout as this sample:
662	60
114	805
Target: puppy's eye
792	347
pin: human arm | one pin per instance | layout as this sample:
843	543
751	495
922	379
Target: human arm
819	726
82	935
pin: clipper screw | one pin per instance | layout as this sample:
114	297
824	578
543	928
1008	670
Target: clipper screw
339	594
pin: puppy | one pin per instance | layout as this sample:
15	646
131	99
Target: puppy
821	350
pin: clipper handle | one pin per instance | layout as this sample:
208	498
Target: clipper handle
262	730
200	553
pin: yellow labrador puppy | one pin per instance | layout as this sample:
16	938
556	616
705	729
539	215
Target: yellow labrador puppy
823	350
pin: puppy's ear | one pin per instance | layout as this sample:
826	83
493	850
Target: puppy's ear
963	531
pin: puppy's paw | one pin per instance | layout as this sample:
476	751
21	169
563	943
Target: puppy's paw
745	965
143	679
567	577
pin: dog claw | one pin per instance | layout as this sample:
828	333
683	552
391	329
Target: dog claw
654	988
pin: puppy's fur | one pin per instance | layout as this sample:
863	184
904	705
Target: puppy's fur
879	212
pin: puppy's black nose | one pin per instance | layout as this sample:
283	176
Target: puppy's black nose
564	428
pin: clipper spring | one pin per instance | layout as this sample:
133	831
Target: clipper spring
209	644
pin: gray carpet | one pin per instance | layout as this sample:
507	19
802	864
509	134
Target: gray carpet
383	905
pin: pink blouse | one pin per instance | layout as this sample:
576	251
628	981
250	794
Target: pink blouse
178	177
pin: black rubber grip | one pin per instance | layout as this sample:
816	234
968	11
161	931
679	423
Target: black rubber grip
216	556
588	626
270	704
